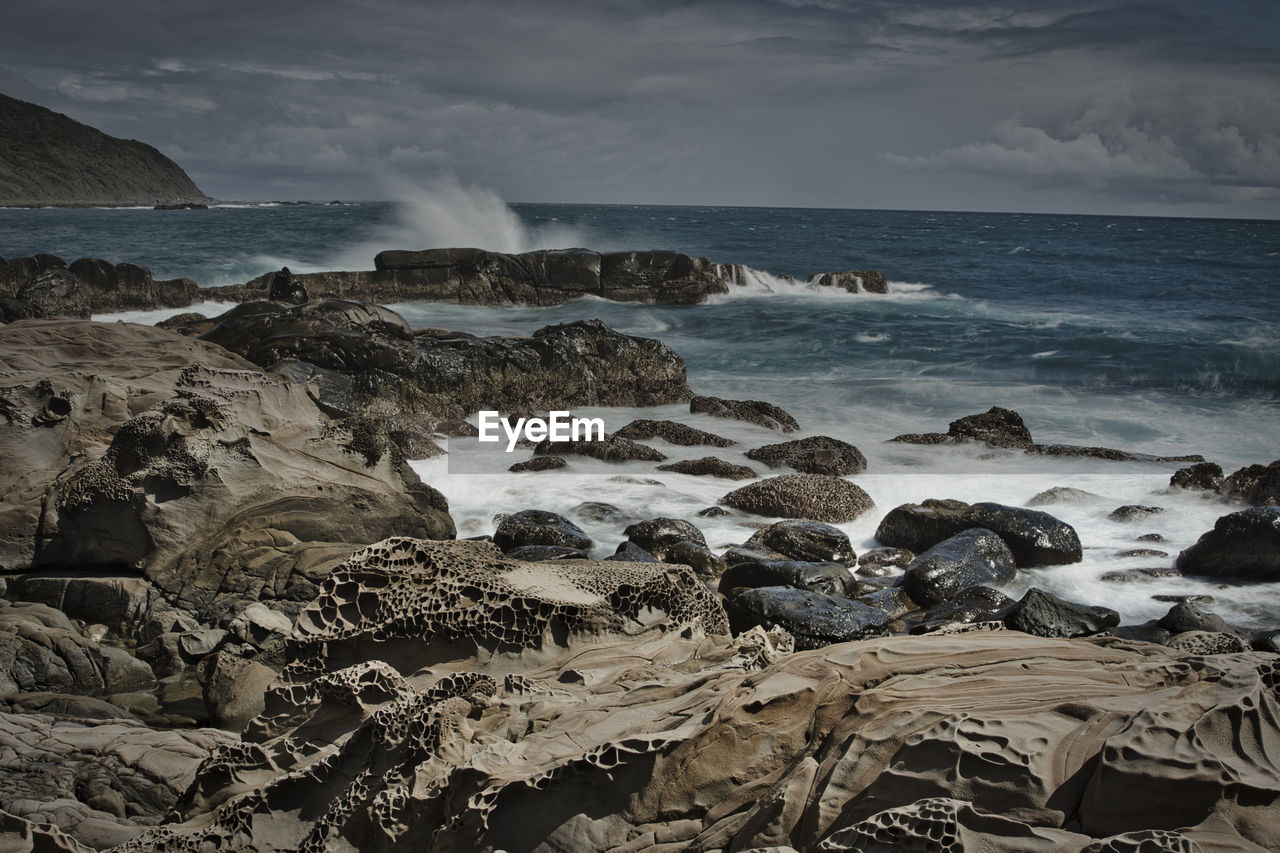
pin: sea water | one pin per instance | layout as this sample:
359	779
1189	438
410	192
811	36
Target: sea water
1158	336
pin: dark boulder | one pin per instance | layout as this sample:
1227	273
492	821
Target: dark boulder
1185	616
56	293
1046	615
539	527
974	557
817	454
853	281
812	496
673	433
1064	495
286	287
813	541
710	466
1201	477
1035	538
752	411
975	604
879	562
1244	545
1139	575
996	427
598	511
1134	512
829	578
696	556
630	552
613	448
539	463
657	534
814	619
1256	485
1267	641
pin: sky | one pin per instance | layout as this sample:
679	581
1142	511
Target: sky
1157	108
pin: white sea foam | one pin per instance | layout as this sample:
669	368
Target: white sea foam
150	318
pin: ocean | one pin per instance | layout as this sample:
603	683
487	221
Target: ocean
1158	336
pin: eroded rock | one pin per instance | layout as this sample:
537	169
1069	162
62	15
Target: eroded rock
816	497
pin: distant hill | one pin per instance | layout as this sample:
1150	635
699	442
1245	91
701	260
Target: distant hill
47	158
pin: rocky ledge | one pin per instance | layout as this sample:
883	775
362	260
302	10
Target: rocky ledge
234	618
46	286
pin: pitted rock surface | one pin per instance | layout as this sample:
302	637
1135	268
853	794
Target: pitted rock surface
817	497
817	454
658	741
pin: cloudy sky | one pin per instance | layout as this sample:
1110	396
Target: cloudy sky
1164	107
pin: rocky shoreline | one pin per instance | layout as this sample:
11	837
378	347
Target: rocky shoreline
234	616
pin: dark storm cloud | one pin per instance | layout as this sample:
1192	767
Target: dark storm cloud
1139	108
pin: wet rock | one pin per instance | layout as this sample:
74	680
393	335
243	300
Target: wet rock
630	552
828	578
286	287
1201	477
814	619
539	553
853	281
234	689
696	556
1065	495
810	496
877	562
1134	512
893	600
750	554
539	463
1266	641
813	541
996	427
1151	537
974	557
1046	615
1035	538
673	433
657	534
713	512
612	449
1140	552
1255	485
539	527
1139	575
1176	599
599	511
814	455
1244	545
710	466
974	604
1184	616
752	411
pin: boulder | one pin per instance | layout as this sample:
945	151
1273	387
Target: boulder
710	466
975	557
1208	643
1064	495
657	534
539	527
1035	538
1255	485
601	512
878	562
1134	512
971	605
1185	616
672	433
1243	545
539	463
828	578
630	552
121	602
234	689
814	455
853	281
1046	615
814	619
818	497
813	541
1201	477
752	411
613	448
286	287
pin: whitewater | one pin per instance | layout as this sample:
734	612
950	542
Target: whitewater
1158	336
